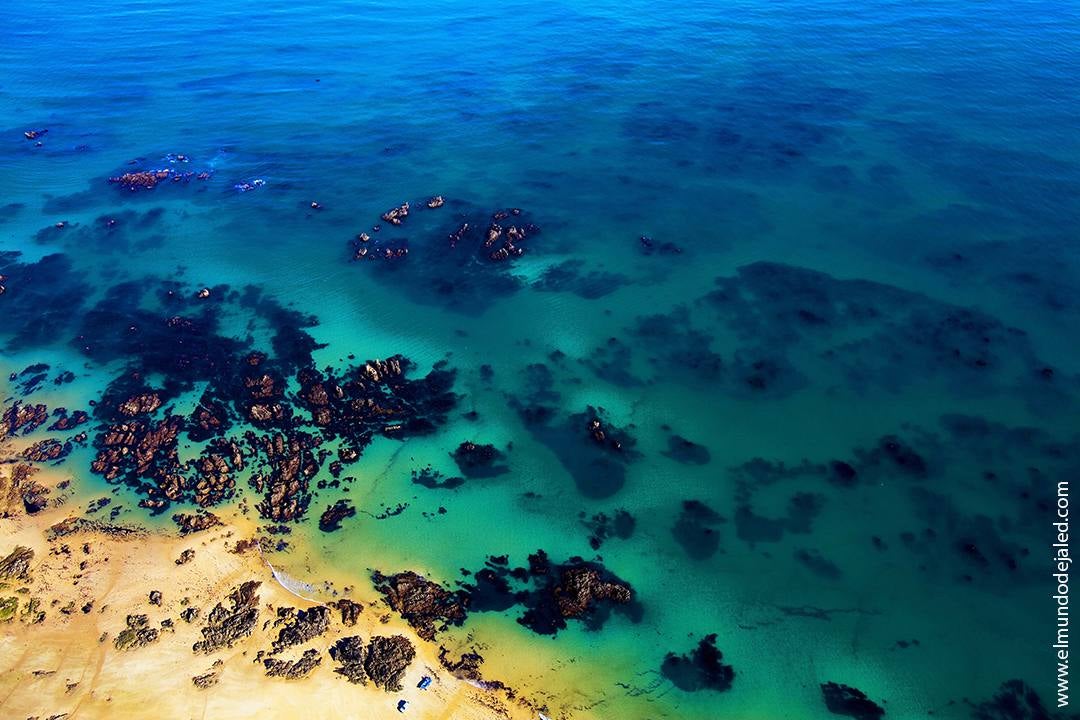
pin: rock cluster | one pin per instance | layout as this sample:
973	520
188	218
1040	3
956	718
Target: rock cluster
384	660
424	604
293	669
136	634
302	626
227	624
16	566
331	518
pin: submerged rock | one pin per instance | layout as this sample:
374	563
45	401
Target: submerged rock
479	461
1015	700
701	669
844	700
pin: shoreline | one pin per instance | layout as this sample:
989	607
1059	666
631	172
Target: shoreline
67	650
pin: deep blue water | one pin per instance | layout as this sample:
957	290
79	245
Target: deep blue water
863	250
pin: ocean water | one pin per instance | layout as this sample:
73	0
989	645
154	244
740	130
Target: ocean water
863	250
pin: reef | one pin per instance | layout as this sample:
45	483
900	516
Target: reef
701	669
479	461
844	700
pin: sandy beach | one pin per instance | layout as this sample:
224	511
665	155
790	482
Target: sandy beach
84	579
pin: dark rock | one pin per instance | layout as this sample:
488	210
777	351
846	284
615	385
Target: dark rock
302	627
350	611
136	634
293	669
349	652
22	418
48	450
479	461
331	519
845	700
387	659
196	522
205	681
228	624
16	566
421	602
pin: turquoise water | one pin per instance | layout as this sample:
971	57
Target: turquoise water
876	209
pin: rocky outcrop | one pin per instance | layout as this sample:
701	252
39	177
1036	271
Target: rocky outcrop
289	463
195	522
16	566
140	404
331	518
396	215
293	669
387	659
302	626
845	700
20	493
24	419
228	623
350	611
47	450
349	653
422	603
582	586
205	681
136	634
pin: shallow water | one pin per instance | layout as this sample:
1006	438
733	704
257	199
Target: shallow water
876	213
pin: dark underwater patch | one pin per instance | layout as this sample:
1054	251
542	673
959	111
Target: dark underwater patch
696	530
40	300
700	669
845	700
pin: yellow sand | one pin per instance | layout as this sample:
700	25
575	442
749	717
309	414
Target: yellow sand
68	664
